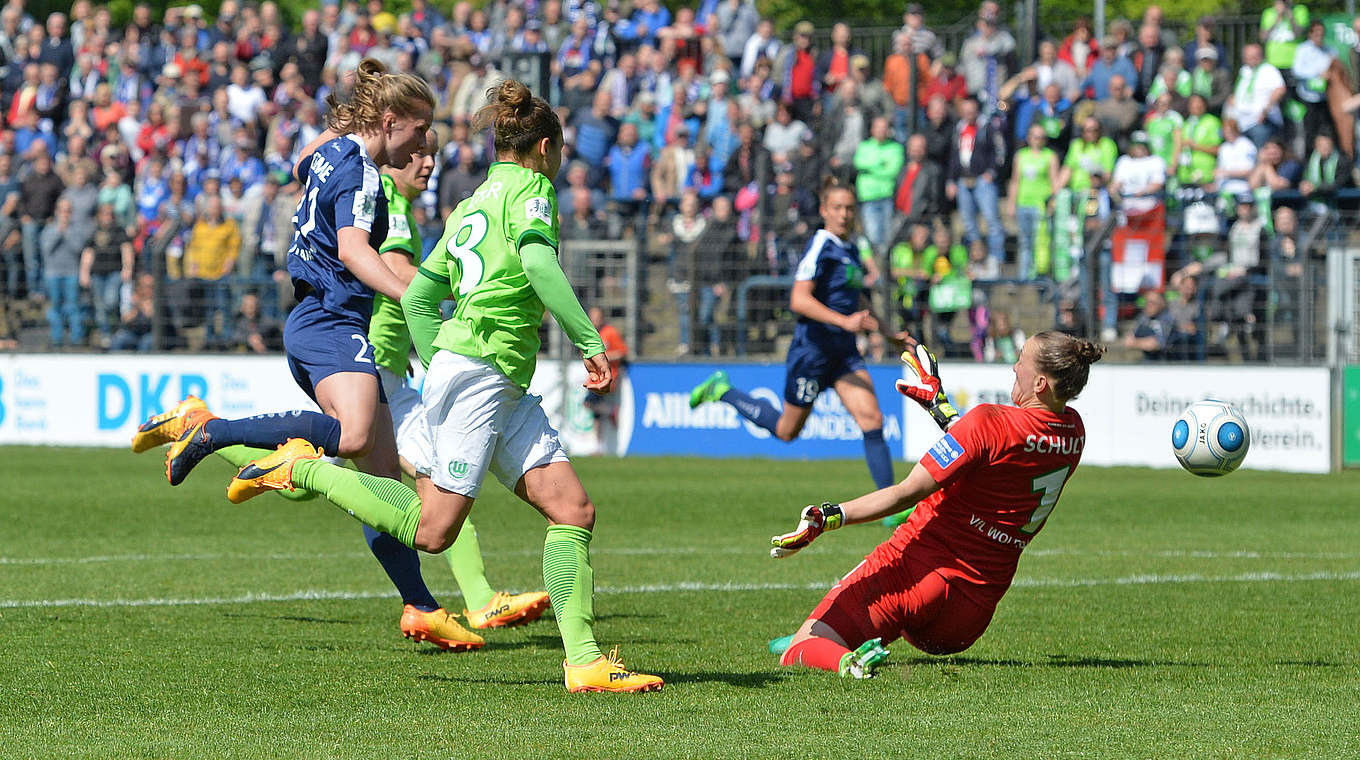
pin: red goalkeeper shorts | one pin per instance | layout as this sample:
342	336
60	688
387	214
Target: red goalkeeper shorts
895	593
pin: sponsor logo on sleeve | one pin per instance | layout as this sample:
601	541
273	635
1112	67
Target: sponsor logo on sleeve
946	451
365	206
540	209
401	228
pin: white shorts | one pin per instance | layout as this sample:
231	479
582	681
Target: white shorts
478	421
408	419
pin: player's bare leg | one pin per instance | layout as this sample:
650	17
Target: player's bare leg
856	391
791	421
352	398
442	513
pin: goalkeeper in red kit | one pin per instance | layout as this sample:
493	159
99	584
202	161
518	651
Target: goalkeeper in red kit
981	492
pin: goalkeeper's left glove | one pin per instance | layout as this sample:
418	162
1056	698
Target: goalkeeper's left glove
925	388
813	522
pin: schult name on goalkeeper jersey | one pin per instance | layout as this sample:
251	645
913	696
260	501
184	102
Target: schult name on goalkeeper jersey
341	189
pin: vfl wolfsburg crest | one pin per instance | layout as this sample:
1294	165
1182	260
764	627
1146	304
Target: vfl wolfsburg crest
458	469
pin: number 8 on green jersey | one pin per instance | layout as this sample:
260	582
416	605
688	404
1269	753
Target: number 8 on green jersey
498	312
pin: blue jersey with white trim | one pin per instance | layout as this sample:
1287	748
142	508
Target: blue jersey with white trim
834	268
341	190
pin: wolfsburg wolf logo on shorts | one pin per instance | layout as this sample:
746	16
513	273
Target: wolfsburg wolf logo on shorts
458	469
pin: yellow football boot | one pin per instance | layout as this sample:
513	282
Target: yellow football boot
273	472
166	427
506	610
439	628
192	447
608	674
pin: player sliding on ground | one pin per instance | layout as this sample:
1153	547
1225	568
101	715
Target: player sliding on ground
499	251
981	493
827	293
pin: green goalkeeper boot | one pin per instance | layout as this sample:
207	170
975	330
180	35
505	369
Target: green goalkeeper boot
861	662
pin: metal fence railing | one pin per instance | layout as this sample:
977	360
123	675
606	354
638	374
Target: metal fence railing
1278	287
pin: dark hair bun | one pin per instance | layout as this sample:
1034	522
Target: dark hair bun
518	119
515	96
1089	352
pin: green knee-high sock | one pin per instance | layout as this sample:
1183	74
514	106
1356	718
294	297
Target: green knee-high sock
380	503
240	456
571	587
465	560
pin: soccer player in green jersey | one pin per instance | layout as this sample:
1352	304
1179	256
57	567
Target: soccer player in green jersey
499	256
422	618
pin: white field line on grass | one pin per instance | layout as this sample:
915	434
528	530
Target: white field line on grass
640	551
659	588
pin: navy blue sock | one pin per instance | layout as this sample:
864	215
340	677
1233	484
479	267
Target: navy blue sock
265	431
879	458
760	412
402	564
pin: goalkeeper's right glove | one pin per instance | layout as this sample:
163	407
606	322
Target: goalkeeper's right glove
925	388
813	522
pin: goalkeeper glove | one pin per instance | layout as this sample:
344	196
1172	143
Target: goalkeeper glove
925	389
813	522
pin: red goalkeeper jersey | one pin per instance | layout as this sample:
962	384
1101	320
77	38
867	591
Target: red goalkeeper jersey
1001	469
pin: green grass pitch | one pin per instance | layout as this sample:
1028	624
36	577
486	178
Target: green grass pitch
1157	616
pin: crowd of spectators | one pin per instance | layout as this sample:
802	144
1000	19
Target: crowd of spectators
151	159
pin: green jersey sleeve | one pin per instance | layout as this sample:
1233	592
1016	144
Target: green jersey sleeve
420	304
401	236
531	213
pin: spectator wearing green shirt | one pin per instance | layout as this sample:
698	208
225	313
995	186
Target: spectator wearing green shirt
1034	175
946	263
906	264
1197	144
1283	24
878	161
1092	150
1162	124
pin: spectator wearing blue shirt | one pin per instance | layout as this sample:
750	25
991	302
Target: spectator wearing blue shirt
706	175
595	133
575	70
1097	82
628	173
243	163
649	17
719	131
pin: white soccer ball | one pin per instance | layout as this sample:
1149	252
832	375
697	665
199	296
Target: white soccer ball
1210	438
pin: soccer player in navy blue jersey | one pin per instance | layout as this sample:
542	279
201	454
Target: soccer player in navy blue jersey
827	293
340	226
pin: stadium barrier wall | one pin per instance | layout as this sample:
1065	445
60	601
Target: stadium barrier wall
1128	409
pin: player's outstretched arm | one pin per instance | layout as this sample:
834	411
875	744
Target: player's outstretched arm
891	500
815	520
925	387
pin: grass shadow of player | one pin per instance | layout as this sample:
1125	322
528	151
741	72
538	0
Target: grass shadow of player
753	680
498	680
290	618
497	645
1052	661
625	616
